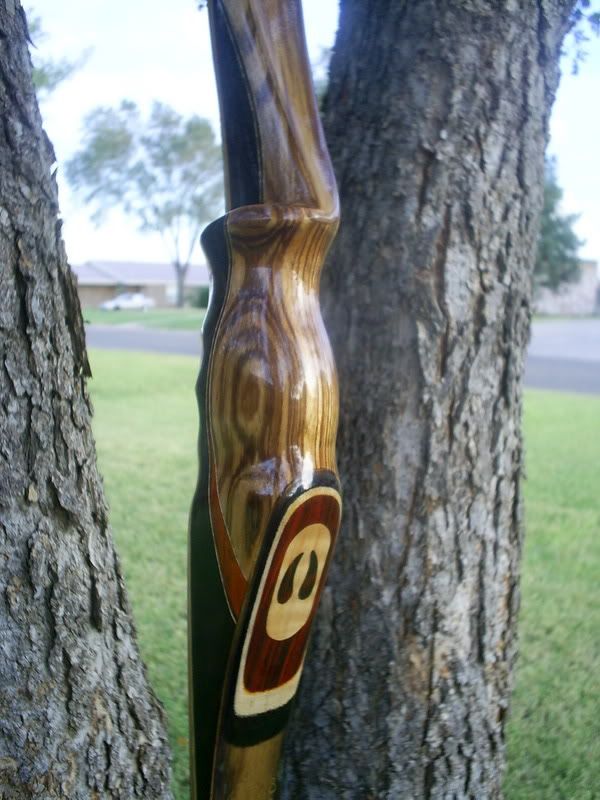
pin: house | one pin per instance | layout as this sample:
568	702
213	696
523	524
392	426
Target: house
98	281
578	298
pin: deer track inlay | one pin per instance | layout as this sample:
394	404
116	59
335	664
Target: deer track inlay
298	579
285	603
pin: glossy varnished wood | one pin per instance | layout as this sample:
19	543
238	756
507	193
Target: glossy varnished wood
267	508
274	146
273	396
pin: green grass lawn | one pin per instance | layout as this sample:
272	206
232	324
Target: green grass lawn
146	426
554	732
166	318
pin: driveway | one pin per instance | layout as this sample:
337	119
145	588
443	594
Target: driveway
563	355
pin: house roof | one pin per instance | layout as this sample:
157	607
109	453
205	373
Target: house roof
136	273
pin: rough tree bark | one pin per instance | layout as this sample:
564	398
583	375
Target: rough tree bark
436	116
77	717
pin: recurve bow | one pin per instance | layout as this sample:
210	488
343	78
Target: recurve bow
267	507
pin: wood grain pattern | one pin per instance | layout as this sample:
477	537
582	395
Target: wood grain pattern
277	152
267	507
272	396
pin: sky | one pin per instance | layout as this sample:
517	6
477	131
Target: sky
145	50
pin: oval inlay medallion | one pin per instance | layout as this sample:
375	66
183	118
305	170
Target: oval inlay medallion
298	579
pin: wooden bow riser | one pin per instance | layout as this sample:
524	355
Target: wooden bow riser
267	508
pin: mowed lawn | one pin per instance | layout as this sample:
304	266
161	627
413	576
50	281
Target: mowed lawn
146	427
164	318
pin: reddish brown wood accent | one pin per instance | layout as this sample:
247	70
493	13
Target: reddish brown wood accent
270	663
234	582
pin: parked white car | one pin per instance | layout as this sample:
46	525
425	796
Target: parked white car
129	301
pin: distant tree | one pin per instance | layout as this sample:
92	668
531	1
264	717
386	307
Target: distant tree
320	73
164	171
48	73
557	260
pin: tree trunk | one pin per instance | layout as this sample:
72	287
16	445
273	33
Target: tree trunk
436	116
78	719
180	273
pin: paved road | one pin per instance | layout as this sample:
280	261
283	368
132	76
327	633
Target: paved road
132	337
564	355
566	339
563	375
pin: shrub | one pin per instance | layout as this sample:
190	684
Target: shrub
199	298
